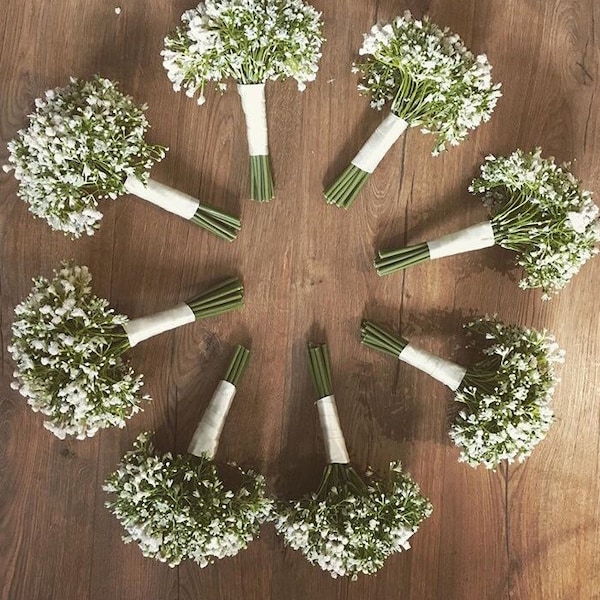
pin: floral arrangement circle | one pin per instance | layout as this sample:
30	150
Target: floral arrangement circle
68	343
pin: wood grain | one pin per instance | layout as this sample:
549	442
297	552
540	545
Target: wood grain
527	532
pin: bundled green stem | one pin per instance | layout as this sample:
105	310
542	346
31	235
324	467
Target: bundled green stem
483	375
390	261
261	179
220	223
221	298
375	337
344	190
237	366
318	360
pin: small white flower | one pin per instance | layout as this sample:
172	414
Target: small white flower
348	529
451	91
540	211
81	140
65	366
286	35
505	423
177	508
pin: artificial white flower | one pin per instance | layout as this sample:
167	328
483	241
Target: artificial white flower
67	345
429	79
350	526
248	42
506	396
176	507
540	211
82	142
428	75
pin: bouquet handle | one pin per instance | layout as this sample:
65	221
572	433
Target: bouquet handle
163	196
381	140
255	111
143	328
445	371
205	440
335	445
475	237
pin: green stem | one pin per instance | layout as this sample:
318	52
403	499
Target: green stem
221	298
341	476
344	190
385	341
318	360
390	261
483	375
220	223
261	179
237	366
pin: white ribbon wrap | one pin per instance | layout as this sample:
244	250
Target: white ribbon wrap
206	437
382	139
335	446
447	372
142	328
255	109
474	237
166	197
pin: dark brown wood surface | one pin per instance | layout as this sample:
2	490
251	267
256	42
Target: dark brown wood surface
526	532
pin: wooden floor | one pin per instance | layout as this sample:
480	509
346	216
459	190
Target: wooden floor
528	532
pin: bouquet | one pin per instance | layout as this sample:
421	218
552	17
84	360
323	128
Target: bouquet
175	507
249	41
85	142
68	344
505	397
538	210
431	81
350	525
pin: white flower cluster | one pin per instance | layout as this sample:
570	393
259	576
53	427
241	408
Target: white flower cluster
507	395
429	76
349	528
82	142
66	346
176	507
540	211
250	41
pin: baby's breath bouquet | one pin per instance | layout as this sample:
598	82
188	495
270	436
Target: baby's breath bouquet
505	396
538	210
68	344
250	42
85	142
176	507
430	80
351	524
